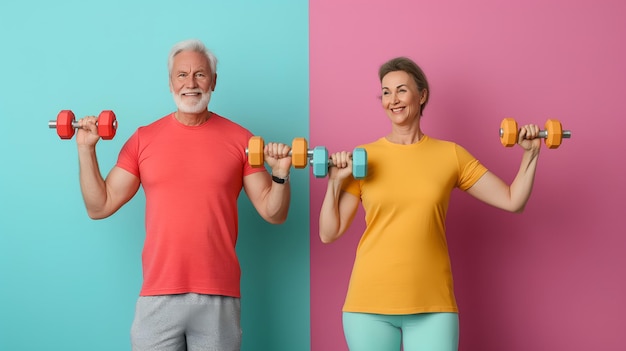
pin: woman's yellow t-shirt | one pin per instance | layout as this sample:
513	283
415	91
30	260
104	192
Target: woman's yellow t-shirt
402	264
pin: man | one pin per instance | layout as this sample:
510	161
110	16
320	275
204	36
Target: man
192	165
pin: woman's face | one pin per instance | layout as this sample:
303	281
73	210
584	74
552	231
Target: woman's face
401	97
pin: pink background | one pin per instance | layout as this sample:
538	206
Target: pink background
553	277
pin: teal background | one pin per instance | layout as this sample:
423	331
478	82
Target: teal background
71	283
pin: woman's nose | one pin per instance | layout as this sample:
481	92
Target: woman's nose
394	98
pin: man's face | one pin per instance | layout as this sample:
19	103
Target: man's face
191	82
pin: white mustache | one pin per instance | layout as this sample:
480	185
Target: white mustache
197	91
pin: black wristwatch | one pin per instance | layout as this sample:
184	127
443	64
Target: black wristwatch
279	180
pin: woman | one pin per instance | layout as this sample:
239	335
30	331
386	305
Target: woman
401	289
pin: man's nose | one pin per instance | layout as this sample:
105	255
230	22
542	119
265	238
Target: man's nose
191	81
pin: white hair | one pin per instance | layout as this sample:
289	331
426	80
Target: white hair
192	45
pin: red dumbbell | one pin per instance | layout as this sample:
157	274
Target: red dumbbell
66	124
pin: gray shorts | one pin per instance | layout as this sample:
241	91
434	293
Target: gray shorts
187	322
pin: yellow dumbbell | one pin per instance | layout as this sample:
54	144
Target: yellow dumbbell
298	153
553	133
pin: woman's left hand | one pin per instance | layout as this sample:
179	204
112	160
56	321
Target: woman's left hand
528	137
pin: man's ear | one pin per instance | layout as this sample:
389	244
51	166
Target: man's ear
214	82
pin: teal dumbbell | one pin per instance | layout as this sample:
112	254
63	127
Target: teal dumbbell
320	162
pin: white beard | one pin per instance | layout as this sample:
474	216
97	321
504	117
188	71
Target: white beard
190	107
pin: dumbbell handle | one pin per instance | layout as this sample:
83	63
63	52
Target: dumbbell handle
75	124
544	133
53	124
309	152
288	154
331	163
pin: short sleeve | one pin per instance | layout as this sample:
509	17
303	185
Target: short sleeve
352	186
128	158
470	169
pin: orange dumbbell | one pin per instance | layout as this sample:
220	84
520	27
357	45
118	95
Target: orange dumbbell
298	153
553	133
66	124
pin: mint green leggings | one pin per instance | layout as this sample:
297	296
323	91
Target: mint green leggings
381	332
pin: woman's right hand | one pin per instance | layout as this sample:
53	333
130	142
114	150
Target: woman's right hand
340	165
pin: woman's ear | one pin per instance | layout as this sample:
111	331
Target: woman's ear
423	96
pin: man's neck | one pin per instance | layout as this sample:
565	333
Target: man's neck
192	119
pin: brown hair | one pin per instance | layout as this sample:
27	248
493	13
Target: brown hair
407	65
